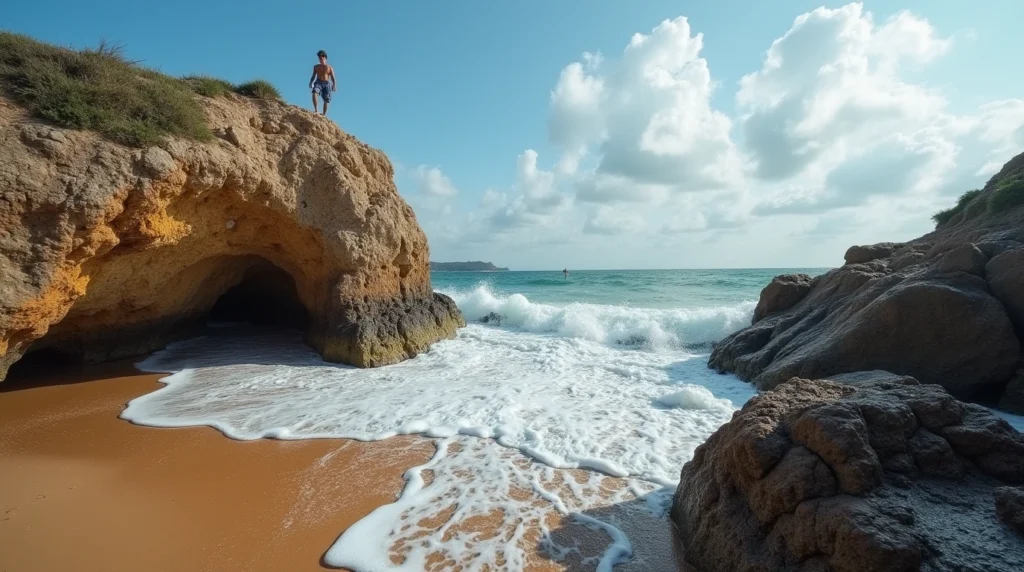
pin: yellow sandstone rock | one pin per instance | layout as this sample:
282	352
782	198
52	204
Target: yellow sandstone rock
108	251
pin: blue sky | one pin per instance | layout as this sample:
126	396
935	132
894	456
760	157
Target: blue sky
460	95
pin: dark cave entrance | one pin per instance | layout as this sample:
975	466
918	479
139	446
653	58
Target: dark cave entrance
266	296
53	365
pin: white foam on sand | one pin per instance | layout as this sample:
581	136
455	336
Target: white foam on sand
509	408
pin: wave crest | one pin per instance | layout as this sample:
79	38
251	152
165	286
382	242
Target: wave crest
648	328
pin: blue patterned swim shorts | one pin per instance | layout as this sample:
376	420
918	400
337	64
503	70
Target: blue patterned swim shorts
324	89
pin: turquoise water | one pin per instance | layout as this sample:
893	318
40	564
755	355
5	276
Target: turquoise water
632	309
635	288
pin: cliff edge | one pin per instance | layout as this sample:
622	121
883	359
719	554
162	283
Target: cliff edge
108	251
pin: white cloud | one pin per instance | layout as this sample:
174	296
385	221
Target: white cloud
830	86
648	113
612	222
432	182
832	140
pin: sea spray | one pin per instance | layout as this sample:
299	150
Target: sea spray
648	328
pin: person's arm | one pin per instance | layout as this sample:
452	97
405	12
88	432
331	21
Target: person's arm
312	77
334	81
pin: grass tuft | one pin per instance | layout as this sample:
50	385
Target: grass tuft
208	86
98	89
258	88
1008	194
944	216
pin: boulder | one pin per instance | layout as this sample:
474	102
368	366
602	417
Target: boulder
964	258
1005	275
1010	507
108	251
782	294
1012	399
946	308
943	329
867	253
881	474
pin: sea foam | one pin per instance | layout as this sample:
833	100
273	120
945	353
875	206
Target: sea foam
651	328
517	414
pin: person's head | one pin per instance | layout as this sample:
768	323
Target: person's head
322	55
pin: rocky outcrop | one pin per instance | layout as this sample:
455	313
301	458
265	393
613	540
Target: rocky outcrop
1010	507
867	253
107	251
1005	275
1013	396
876	472
947	308
782	294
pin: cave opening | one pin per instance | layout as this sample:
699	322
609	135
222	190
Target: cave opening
266	296
54	365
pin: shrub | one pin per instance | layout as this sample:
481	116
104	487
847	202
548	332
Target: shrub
258	88
208	86
944	216
98	89
1008	194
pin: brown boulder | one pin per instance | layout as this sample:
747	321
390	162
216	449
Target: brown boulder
943	329
867	253
1005	275
880	475
109	251
946	308
782	293
964	258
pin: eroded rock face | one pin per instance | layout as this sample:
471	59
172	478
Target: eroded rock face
1010	507
947	308
876	473
107	251
1005	274
782	293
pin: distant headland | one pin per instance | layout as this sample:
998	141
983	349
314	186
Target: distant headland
474	266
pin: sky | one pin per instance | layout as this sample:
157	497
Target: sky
656	134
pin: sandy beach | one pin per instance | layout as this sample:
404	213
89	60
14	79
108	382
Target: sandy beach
83	490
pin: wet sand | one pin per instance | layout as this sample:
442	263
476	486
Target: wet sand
83	490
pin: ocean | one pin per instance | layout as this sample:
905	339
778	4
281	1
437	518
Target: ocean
562	398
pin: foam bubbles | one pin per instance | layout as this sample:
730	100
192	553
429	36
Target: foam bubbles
515	412
695	397
648	328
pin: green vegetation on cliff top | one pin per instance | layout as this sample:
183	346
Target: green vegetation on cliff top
1007	193
99	89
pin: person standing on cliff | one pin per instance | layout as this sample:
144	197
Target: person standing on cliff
318	81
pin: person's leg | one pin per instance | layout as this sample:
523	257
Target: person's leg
326	95
314	100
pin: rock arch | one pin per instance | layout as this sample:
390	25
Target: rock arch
113	251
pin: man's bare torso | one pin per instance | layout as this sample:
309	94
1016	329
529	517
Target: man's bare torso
323	72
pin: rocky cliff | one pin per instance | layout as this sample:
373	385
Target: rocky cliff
108	251
865	472
946	308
